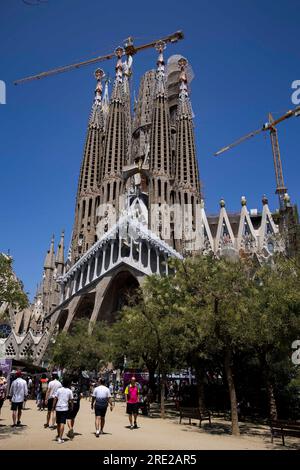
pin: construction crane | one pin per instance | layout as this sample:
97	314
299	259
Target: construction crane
270	126
129	50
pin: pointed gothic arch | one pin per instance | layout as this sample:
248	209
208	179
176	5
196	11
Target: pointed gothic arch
119	291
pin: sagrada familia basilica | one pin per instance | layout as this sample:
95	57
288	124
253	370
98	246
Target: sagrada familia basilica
139	204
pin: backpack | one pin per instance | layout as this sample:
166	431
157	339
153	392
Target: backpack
2	390
44	385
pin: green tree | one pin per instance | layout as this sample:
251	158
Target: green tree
131	337
147	333
216	314
199	314
80	350
277	320
11	288
238	308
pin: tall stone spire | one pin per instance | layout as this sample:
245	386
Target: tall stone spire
186	168
105	101
59	260
143	116
48	280
160	140
115	142
88	196
127	107
96	117
50	256
187	185
59	270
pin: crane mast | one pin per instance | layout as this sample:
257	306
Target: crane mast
269	126
280	186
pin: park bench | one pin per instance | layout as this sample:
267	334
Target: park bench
194	413
284	428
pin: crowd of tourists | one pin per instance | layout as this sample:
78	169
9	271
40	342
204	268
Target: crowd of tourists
61	398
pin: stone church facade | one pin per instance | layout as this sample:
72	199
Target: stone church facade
139	203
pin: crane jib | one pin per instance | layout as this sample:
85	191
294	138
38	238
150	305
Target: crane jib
130	49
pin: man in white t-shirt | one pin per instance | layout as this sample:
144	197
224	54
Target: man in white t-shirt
101	398
53	386
17	395
62	403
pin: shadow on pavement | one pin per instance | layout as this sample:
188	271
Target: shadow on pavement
8	431
247	430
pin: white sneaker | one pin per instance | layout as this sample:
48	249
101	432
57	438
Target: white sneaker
60	441
97	433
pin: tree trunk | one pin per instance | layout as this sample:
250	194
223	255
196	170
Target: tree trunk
272	402
232	394
162	396
152	380
273	413
200	388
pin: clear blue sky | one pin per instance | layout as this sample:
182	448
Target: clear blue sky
245	56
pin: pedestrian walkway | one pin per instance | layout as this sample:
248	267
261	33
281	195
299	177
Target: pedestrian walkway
152	434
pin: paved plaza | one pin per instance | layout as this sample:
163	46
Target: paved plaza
153	433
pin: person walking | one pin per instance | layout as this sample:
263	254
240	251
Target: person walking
62	403
30	387
17	395
77	395
132	395
91	389
53	386
3	388
43	390
100	399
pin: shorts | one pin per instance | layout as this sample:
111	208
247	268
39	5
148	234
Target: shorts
61	417
100	411
73	412
50	404
1	402
16	406
132	408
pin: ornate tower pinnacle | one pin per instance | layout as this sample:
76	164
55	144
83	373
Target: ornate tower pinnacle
117	89
99	74
160	72
184	105
96	117
105	100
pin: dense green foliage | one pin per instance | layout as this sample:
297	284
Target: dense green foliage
11	289
232	322
79	350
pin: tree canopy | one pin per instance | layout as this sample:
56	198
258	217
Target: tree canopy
209	313
11	288
220	317
80	350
